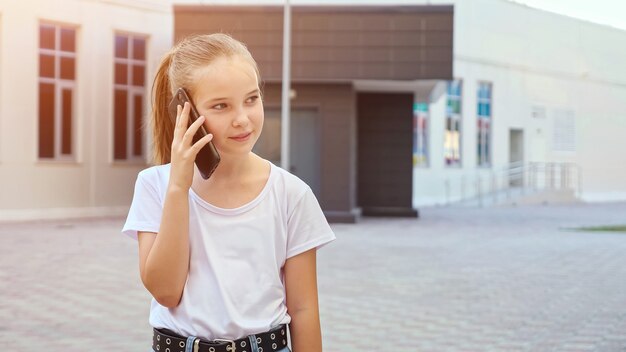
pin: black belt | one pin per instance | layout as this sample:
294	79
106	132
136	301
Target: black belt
165	340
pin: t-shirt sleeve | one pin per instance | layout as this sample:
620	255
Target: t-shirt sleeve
307	226
145	210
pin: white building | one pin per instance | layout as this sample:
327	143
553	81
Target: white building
75	78
557	94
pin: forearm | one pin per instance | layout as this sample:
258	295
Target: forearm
167	265
305	331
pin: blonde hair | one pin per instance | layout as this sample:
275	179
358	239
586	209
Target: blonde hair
176	70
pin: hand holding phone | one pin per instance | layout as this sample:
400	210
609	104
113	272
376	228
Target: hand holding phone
207	158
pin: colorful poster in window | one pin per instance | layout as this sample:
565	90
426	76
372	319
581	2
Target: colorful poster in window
420	134
452	136
483	123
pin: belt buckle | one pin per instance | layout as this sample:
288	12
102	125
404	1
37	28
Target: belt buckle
196	345
231	348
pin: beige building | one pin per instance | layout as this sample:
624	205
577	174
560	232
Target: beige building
85	69
75	78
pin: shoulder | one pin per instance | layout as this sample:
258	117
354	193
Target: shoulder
294	193
154	173
292	186
156	176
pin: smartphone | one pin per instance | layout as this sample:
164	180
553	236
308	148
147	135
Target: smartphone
207	158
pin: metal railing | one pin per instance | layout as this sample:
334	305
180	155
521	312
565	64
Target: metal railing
518	177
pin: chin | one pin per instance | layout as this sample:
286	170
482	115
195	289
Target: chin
242	150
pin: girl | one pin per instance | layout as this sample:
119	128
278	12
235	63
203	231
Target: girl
230	261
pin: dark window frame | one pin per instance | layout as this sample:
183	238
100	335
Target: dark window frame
129	58
57	128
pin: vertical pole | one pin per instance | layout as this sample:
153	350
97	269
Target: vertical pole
494	187
285	104
462	187
507	183
479	191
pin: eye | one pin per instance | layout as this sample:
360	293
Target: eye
221	106
252	99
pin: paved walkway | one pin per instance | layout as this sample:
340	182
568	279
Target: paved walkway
458	279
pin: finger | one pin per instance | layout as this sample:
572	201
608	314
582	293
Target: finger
195	149
192	130
181	122
184	116
179	109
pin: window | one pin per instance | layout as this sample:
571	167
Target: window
452	138
420	134
484	124
128	96
57	83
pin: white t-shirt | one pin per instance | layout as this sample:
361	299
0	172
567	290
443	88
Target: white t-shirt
235	285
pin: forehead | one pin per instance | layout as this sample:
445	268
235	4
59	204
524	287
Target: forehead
224	75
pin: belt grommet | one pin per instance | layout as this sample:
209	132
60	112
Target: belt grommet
168	341
181	344
243	343
260	349
274	346
273	336
258	340
211	349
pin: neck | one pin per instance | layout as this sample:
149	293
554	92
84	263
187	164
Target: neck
231	168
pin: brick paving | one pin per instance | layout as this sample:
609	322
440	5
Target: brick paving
457	279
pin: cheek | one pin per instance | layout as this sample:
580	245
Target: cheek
207	126
212	127
259	117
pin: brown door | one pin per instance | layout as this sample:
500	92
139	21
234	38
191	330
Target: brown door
385	144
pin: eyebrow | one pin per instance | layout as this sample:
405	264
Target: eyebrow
256	90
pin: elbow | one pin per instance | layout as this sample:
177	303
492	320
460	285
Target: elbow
166	298
167	301
163	294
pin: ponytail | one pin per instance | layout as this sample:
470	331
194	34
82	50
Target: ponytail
162	124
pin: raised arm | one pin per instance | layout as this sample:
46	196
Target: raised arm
164	257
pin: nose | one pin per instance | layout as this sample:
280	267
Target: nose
241	118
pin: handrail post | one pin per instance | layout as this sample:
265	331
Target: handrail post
507	184
548	173
534	176
462	187
494	187
523	177
479	188
580	180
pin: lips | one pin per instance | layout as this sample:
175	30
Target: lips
241	137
